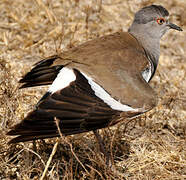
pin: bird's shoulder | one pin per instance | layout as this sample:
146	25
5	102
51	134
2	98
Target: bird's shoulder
119	48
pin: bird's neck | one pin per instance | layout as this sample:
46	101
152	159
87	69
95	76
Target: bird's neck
151	45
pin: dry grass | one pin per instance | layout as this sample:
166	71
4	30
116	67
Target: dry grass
150	147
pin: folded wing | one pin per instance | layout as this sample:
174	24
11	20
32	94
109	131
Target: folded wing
76	107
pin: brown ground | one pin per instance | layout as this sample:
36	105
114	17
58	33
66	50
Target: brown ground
150	147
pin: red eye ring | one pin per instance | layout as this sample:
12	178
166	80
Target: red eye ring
160	21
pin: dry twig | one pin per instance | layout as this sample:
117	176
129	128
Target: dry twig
71	148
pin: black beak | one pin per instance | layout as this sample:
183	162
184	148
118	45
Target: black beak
174	26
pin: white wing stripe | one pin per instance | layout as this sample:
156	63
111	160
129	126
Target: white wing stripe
63	79
102	94
66	76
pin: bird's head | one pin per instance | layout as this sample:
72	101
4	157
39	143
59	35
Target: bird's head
152	20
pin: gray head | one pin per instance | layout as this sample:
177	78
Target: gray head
149	25
152	20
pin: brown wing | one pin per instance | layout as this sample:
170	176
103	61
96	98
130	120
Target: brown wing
122	80
102	52
114	61
76	107
119	62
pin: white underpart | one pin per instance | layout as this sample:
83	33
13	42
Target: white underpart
102	94
63	79
147	74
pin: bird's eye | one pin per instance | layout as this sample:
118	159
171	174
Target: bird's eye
160	21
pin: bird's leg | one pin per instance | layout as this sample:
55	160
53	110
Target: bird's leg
101	146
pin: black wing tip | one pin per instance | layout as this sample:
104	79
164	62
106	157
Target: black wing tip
12	141
12	133
19	139
26	78
32	137
32	78
21	80
46	61
26	85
